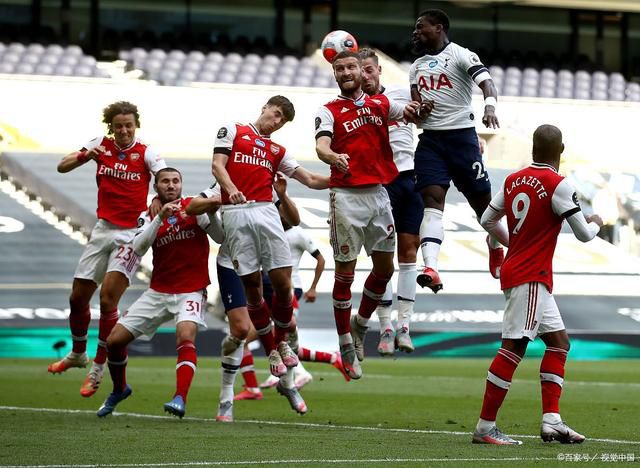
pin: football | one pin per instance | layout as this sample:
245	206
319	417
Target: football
336	42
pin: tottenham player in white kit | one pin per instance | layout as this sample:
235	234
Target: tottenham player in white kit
407	208
245	162
177	289
124	167
443	77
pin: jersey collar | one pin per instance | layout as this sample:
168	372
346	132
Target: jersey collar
255	130
359	98
126	147
538	165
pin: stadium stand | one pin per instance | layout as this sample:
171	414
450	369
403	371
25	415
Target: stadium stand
36	59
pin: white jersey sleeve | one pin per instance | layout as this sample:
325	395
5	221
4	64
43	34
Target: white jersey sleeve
564	203
146	233
211	222
400	132
493	214
93	143
153	161
324	122
469	62
224	139
288	165
309	245
396	110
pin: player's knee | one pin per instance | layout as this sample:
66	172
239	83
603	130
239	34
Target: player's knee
230	344
240	329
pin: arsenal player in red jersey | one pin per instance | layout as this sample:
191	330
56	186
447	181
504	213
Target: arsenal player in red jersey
245	162
352	136
124	167
536	200
177	289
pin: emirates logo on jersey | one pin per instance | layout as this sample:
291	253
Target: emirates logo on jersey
275	149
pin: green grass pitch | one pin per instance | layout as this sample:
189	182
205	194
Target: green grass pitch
406	412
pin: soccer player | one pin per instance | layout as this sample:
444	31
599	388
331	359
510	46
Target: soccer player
448	149
245	162
124	166
352	136
235	355
536	200
177	290
407	209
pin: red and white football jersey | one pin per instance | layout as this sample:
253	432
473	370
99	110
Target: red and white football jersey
359	128
536	200
253	161
123	177
180	252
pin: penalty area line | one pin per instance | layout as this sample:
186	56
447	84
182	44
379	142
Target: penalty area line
295	424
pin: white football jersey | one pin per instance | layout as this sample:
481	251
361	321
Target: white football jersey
447	78
299	243
400	132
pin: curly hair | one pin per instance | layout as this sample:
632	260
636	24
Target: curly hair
117	108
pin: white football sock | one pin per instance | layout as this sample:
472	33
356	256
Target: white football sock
406	293
384	309
431	236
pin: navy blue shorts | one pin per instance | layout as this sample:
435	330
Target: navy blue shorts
406	203
297	292
231	288
446	155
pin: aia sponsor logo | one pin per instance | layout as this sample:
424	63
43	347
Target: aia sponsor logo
431	82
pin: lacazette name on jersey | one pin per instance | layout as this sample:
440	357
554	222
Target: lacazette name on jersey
531	182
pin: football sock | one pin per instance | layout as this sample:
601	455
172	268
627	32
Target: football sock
498	382
248	371
79	319
261	320
282	313
107	321
185	367
342	302
406	294
374	288
384	309
306	354
118	367
552	378
232	357
431	236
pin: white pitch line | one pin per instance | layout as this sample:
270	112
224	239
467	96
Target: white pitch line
297	424
289	462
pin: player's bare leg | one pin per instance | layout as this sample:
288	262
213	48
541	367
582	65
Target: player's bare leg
551	382
79	318
344	272
480	203
499	379
408	245
117	342
432	235
113	287
186	364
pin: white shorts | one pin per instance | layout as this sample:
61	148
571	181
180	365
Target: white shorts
360	217
255	237
109	249
154	308
530	311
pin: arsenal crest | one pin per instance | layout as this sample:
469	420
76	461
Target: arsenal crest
134	156
275	148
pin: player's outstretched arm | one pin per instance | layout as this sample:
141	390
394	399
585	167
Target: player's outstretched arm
201	205
311	179
147	231
310	295
328	156
490	219
489	119
76	159
219	170
288	209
